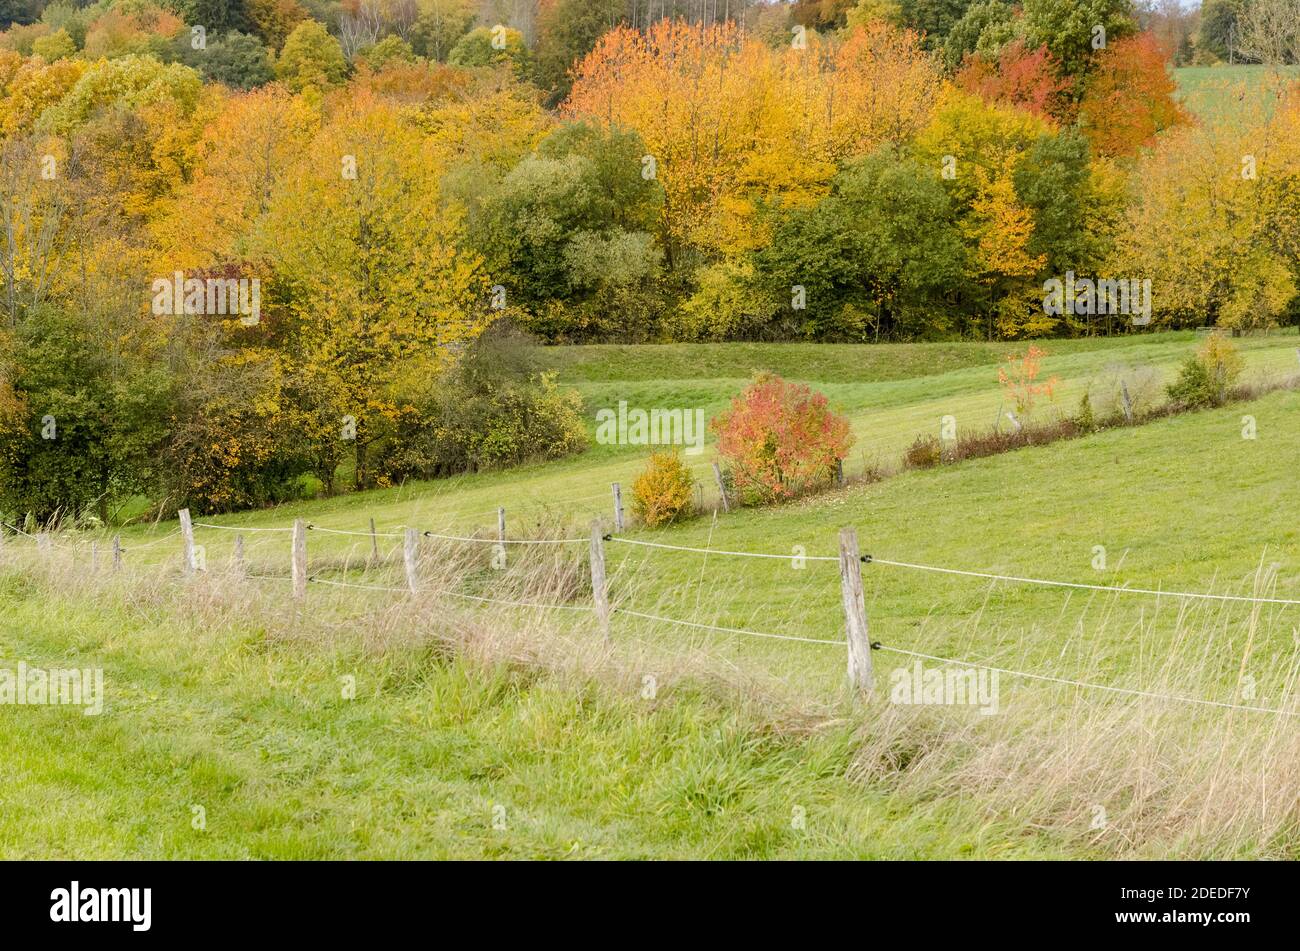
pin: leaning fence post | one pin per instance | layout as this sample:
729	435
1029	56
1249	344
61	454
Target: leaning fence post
299	561
43	543
374	543
722	488
408	557
117	552
599	589
855	611
618	507
187	540
1128	403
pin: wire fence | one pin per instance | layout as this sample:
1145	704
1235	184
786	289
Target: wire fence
849	560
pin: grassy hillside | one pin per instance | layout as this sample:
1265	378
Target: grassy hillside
891	394
222	692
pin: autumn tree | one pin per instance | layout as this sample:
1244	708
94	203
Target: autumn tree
1129	97
1213	230
379	285
310	57
274	20
1029	79
730	123
243	157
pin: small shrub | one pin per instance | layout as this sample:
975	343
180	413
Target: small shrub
873	470
1084	417
780	439
925	453
1207	376
491	410
1019	379
663	492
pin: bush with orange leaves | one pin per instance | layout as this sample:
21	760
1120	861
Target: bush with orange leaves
780	440
662	493
1019	379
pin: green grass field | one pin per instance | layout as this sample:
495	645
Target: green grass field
1225	92
224	695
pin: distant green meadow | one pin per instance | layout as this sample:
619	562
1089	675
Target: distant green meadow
1216	93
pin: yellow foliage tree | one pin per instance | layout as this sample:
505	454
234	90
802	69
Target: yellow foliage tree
729	122
1212	222
246	150
367	255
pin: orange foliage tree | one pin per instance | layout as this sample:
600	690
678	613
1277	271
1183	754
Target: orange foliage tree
730	122
1129	97
1029	79
1019	379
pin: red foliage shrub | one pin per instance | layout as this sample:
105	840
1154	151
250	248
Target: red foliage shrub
780	439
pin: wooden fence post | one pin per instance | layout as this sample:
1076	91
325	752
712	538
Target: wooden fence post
501	537
408	557
855	611
117	552
299	562
94	556
618	508
43	543
722	488
599	589
374	543
238	559
187	540
839	472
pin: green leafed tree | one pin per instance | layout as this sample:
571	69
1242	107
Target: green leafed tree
1076	30
988	20
492	46
84	421
874	259
238	60
311	57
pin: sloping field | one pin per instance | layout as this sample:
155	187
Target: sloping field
496	730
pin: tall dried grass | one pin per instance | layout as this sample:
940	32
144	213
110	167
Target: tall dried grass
1107	774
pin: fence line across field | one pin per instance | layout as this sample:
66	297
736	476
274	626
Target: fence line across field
1023	674
43	539
857	640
